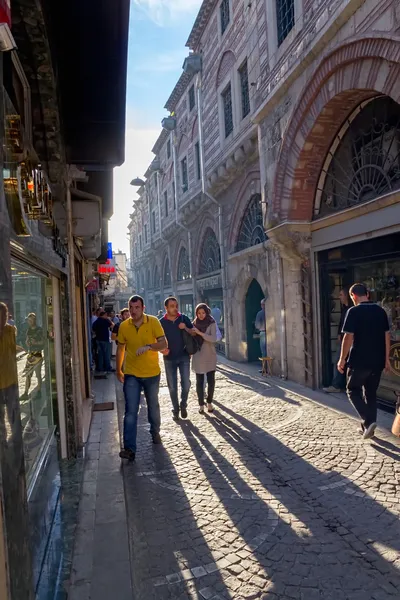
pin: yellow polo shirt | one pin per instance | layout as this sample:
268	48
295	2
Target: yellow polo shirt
147	364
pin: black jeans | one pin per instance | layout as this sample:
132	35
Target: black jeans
210	387
362	385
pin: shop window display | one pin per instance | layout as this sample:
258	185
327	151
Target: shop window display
34	333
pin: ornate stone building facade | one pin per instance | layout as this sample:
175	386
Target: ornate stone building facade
316	83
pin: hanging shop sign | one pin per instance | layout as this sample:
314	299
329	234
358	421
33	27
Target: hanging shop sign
92	287
107	269
27	191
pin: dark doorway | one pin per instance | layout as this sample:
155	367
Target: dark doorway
253	306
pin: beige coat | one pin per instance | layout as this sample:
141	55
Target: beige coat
205	360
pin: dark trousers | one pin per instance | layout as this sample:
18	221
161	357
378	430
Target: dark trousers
171	369
362	385
103	352
210	387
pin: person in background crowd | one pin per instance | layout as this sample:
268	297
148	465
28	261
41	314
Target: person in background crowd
160	314
34	360
216	313
260	324
204	362
141	338
176	357
115	331
339	379
10	320
101	328
366	348
114	318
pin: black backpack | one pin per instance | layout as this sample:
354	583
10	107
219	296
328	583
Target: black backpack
192	343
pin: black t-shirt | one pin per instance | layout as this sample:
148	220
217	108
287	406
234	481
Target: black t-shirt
368	322
101	328
174	336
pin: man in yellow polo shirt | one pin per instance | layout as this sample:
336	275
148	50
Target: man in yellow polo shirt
140	337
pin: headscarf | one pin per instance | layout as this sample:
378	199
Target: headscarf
202	325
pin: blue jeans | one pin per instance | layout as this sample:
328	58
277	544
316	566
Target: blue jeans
171	370
132	389
104	363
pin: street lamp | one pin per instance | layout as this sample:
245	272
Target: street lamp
137	182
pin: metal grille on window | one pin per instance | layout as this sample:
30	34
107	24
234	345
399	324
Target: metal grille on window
364	160
169	149
225	15
183	265
244	88
153	221
167	273
251	230
210	258
228	112
185	185
192	101
284	18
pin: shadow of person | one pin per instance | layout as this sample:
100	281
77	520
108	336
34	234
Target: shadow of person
365	531
170	550
257	385
386	448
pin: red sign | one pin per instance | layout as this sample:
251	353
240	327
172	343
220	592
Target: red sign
107	269
5	12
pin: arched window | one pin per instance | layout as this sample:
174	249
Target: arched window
364	160
251	231
156	278
210	256
167	274
183	265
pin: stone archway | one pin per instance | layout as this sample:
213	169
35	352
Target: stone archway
347	76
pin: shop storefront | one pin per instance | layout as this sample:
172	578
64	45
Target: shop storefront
376	263
186	305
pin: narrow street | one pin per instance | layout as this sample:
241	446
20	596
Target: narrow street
273	496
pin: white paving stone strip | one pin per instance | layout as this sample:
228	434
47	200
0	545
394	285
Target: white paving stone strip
370	459
231	559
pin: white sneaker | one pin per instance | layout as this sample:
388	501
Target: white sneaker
369	432
201	410
331	390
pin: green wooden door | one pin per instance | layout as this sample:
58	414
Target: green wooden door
253	306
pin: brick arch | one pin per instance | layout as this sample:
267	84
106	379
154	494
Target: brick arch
208	222
348	75
180	243
250	186
227	63
35	56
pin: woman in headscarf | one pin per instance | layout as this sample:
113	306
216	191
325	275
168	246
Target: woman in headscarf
204	362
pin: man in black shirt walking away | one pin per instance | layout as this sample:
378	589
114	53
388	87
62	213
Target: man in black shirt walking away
366	342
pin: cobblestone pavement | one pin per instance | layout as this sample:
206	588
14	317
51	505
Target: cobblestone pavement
272	496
